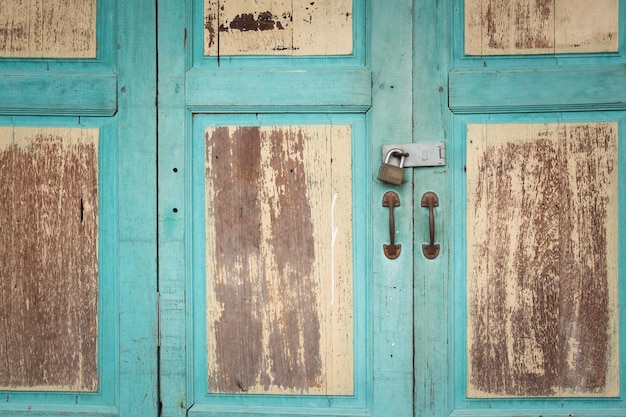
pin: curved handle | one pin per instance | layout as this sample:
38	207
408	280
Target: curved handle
430	200
391	200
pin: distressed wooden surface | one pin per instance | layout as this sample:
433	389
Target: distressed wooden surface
278	27
279	264
49	260
495	27
48	29
542	260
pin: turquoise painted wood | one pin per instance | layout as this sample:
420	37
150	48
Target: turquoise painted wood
539	89
391	65
411	356
119	87
433	281
349	92
174	126
371	91
67	94
137	226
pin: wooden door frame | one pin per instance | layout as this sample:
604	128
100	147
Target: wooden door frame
389	74
114	92
449	89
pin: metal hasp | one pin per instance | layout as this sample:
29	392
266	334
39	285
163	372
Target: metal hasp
430	200
391	200
420	154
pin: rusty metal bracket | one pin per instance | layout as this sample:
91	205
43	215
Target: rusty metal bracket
391	200
430	200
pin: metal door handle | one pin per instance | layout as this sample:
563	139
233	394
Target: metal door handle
430	200
391	200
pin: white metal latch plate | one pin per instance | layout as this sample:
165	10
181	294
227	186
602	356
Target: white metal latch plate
421	154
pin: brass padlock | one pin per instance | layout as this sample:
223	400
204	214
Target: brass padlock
389	173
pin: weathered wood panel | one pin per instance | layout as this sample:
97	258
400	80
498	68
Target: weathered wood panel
278	27
495	27
542	260
48	259
48	29
279	260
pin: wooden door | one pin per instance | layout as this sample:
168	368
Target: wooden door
275	296
77	218
528	319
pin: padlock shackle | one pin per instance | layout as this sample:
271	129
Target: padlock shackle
396	152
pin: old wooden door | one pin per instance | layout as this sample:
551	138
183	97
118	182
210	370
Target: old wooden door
78	211
529	318
275	296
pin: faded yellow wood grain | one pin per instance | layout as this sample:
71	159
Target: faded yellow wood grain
49	259
278	27
585	26
542	260
48	29
279	260
494	27
473	27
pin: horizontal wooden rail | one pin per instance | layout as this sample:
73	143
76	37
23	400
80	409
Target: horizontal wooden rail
279	90
553	89
58	94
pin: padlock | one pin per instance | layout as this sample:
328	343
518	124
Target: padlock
390	173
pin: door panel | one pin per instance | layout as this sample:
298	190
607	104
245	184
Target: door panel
58	291
77	292
282	306
33	29
541	297
542	256
543	27
279	287
50	315
267	250
277	28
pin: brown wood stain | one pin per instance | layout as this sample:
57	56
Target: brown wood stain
542	284
49	259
